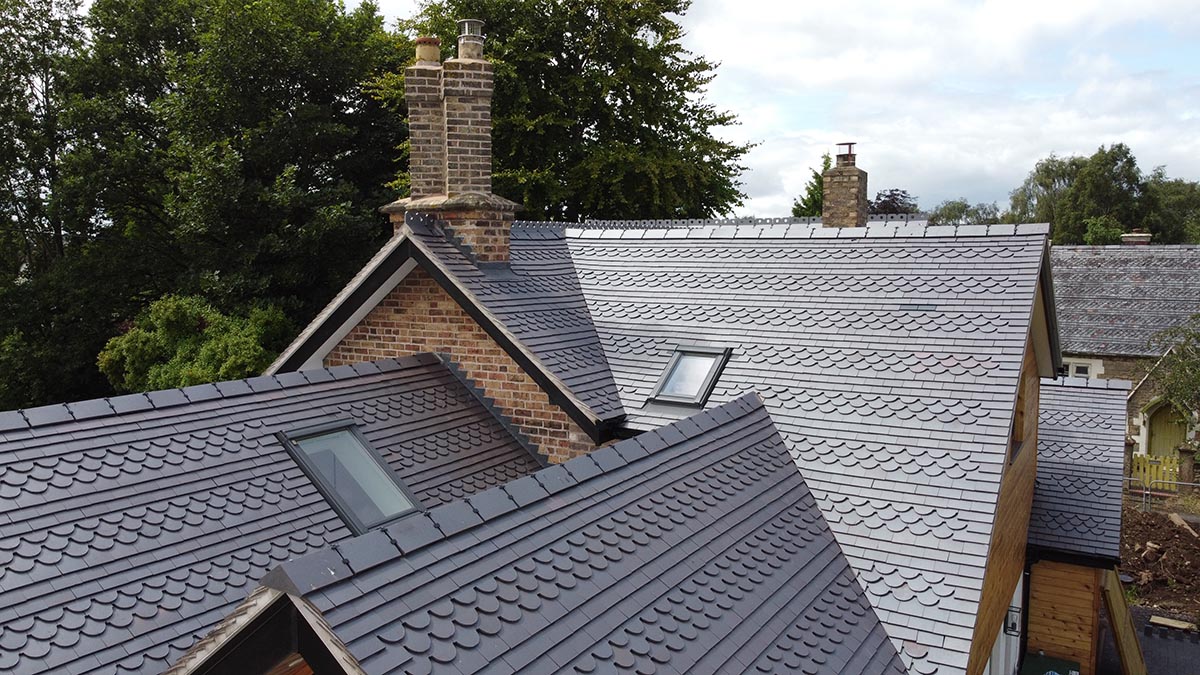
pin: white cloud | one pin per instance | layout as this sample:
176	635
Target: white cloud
947	99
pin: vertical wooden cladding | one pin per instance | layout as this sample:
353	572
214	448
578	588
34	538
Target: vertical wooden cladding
292	665
1064	612
1010	530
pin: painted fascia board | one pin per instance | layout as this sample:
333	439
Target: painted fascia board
305	337
1045	307
317	359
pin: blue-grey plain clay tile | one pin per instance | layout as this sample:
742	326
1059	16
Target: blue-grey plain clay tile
201	392
554	478
367	550
96	407
491	503
316	570
12	420
48	414
366	368
234	388
608	459
263	383
454	517
413	532
582	468
317	375
293	378
525	490
342	372
167	398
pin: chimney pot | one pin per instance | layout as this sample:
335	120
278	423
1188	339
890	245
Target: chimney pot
470	39
428	49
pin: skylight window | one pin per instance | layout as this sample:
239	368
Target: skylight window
353	478
690	375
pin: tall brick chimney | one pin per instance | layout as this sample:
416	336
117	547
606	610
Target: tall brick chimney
450	139
844	201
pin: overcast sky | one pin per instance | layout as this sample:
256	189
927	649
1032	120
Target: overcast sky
946	99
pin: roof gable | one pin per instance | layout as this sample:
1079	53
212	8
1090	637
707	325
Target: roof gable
694	548
559	349
129	530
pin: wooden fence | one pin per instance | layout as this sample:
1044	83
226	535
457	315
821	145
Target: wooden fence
1147	469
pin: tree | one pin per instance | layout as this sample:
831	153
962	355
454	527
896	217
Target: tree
812	201
1108	184
37	38
893	201
1177	218
961	212
280	155
180	341
1038	198
1177	375
599	111
1102	231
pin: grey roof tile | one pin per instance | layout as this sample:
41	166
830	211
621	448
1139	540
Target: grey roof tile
128	533
709	555
1081	458
888	356
1111	300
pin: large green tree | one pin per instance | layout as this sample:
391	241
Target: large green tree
182	340
1108	184
811	203
1038	199
599	111
962	212
37	40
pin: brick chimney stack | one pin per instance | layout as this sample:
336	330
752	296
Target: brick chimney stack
450	139
844	201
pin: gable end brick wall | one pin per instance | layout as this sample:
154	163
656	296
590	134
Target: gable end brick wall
418	316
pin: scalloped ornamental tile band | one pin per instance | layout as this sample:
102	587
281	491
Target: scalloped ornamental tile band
1081	460
695	548
126	536
886	354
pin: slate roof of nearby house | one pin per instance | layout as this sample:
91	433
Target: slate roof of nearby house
1081	459
1113	299
130	526
694	548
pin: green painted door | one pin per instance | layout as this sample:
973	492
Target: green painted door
1166	431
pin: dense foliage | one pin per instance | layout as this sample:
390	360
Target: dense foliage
599	110
235	153
1177	375
181	341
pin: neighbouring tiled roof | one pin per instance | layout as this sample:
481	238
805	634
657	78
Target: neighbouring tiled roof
1081	459
695	548
1113	299
130	526
889	357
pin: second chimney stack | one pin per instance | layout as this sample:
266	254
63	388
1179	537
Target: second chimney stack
844	200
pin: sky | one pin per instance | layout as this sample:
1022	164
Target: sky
945	99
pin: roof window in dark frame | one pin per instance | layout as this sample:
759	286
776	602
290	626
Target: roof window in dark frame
350	474
690	375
